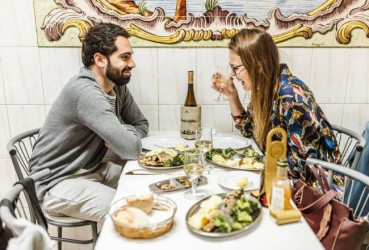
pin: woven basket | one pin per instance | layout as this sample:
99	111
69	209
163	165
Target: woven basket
155	229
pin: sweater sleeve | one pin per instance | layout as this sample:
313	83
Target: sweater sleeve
131	113
94	111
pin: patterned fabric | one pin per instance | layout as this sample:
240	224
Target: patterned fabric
308	130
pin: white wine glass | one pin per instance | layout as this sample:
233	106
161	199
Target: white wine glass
194	167
204	139
220	78
204	142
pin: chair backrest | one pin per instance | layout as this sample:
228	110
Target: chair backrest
20	149
13	205
356	186
351	145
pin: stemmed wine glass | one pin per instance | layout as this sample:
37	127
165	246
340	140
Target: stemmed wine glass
204	142
193	167
204	139
220	78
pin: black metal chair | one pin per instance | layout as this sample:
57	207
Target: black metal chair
13	207
20	149
351	145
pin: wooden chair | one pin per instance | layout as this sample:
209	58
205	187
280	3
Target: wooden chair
20	149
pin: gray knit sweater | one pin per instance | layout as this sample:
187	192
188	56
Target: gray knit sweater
79	122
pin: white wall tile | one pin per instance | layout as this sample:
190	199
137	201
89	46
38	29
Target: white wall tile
173	67
355	116
17	26
333	112
22	75
329	71
2	88
144	80
58	66
4	131
7	176
151	112
207	61
169	117
298	61
357	90
217	117
47	109
25	117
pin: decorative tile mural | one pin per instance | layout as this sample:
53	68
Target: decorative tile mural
207	23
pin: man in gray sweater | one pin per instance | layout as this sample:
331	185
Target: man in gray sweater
95	111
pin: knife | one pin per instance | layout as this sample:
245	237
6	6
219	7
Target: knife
139	172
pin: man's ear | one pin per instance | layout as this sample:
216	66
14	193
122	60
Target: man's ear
100	59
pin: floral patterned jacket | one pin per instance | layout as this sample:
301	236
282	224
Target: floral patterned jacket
308	130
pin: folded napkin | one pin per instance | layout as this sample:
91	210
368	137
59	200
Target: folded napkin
286	216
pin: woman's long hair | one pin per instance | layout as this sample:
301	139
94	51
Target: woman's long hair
260	57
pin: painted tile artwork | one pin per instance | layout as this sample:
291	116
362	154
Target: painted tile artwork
207	23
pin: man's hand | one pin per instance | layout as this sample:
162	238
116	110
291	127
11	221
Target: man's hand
107	145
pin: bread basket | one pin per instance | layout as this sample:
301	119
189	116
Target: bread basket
161	218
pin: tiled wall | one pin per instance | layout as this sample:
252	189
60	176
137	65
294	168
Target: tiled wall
32	77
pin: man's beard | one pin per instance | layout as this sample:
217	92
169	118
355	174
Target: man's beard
116	76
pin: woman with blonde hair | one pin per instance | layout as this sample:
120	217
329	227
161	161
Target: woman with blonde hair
278	99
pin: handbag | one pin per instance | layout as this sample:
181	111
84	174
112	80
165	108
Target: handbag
331	220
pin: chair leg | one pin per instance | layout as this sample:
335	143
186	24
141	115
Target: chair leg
60	235
94	233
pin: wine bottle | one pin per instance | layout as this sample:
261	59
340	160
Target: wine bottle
190	112
190	98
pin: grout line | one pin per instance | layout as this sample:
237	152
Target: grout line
6	100
42	80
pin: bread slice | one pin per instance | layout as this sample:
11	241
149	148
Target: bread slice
132	216
143	202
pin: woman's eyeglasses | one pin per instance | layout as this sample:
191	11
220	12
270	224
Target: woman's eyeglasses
235	68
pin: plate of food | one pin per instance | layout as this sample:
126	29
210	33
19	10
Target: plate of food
160	142
245	159
226	141
239	179
224	214
163	159
175	184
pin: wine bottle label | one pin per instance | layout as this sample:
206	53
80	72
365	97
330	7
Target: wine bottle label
190	121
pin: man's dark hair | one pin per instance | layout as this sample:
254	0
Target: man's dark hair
101	38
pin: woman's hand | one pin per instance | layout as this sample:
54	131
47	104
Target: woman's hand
219	80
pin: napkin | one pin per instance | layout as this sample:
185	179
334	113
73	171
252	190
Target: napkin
286	216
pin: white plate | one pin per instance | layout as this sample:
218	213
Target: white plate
229	180
235	142
157	142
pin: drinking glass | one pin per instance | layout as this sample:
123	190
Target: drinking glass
204	139
194	167
221	80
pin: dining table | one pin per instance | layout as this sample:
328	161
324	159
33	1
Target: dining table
264	234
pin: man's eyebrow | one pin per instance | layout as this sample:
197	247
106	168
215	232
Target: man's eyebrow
126	54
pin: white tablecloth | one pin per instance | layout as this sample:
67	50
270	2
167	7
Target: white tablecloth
264	235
